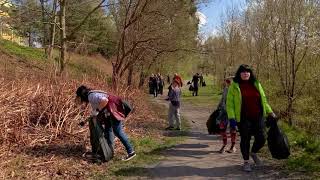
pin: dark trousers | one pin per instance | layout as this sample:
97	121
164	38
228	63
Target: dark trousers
195	90
248	128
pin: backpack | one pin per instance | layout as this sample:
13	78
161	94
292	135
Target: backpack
127	107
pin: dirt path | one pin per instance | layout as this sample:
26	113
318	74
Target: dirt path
197	158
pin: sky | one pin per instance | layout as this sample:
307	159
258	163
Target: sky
210	14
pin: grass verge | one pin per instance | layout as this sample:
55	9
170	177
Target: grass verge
305	151
207	96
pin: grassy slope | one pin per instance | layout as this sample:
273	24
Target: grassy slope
76	65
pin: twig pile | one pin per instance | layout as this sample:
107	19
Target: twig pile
39	126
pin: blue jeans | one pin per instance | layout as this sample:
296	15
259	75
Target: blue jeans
114	127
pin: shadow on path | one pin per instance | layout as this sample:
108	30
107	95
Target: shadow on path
225	172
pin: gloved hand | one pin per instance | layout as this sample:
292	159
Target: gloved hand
233	123
271	118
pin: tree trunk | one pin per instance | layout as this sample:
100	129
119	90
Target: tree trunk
63	42
130	76
142	79
44	39
290	110
29	39
52	29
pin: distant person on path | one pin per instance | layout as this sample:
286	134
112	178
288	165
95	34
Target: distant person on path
110	106
223	122
247	104
155	85
151	88
195	81
201	79
174	107
168	79
160	84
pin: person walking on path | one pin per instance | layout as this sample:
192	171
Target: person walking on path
223	122
109	106
160	84
151	88
155	85
201	80
174	107
168	79
195	81
247	104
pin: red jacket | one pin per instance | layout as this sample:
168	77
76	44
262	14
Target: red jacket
115	107
179	79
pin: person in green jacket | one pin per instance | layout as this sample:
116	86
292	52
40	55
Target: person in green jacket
247	107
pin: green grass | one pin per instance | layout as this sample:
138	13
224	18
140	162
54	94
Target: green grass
207	96
21	51
305	150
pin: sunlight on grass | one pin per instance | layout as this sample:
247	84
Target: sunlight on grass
22	51
207	96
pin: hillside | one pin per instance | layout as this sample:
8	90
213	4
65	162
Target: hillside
40	136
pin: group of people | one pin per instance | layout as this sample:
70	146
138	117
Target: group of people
243	107
156	84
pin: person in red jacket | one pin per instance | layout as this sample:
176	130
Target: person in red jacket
178	78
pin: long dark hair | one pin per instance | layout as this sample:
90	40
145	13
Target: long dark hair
242	68
83	93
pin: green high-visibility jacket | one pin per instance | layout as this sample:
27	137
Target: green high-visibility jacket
234	101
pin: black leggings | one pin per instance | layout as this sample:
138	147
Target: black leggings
248	128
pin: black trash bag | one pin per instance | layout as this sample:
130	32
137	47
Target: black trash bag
212	126
278	143
99	145
127	107
191	88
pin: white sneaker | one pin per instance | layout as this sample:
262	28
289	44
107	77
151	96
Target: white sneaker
129	156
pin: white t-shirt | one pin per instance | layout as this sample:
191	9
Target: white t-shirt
94	98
